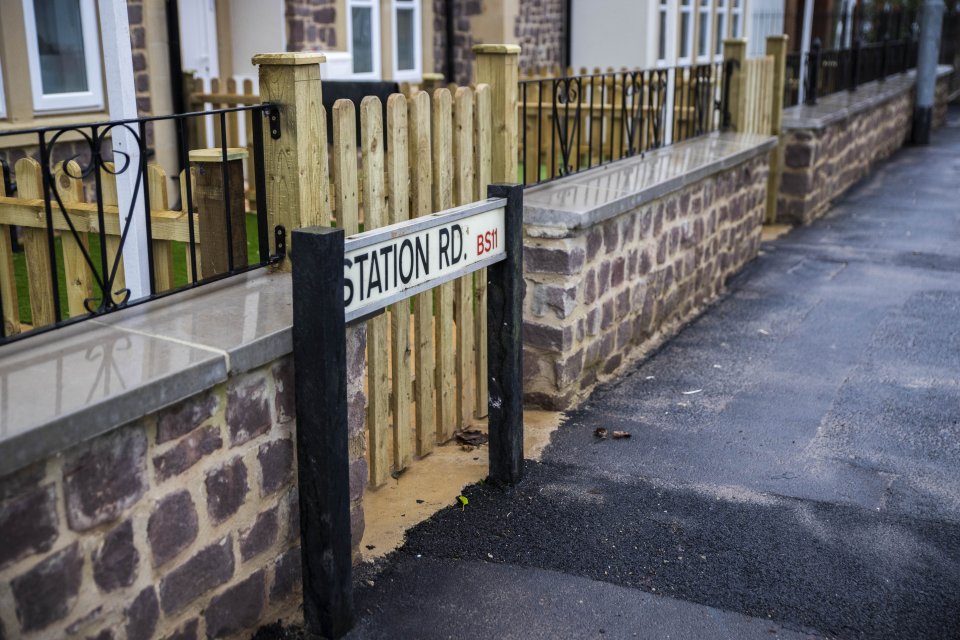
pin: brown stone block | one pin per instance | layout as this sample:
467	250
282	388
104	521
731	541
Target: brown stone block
172	526
104	477
187	452
559	261
28	524
248	409
47	592
115	562
226	489
237	608
209	568
142	615
276	464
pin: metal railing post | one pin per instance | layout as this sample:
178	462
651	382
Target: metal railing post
855	65
813	73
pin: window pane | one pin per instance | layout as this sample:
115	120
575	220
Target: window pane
684	35
60	44
362	39
662	55
736	25
703	34
721	19
405	40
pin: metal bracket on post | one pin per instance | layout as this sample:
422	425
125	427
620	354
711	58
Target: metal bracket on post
504	344
272	112
323	459
280	242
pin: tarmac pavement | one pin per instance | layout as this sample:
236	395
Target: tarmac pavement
793	470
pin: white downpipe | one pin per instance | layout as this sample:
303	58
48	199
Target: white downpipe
122	104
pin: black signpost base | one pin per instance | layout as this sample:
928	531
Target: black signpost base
504	347
320	362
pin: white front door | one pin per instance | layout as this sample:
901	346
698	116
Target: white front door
198	38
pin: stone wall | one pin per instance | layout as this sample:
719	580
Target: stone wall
598	298
311	25
184	522
822	161
539	30
463	38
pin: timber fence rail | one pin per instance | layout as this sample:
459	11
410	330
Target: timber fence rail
64	233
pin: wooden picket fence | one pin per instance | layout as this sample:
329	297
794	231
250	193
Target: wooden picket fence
27	211
426	366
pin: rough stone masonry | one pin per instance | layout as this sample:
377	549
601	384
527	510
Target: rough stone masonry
598	298
183	524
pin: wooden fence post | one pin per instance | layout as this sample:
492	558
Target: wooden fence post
498	65
735	49
295	165
776	47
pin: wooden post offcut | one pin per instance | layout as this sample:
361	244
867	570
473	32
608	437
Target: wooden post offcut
736	49
216	203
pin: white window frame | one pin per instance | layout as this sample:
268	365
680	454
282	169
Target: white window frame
374	5
3	99
407	75
736	11
90	100
688	9
704	10
667	35
723	22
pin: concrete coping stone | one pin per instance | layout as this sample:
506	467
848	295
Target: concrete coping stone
72	384
588	198
839	106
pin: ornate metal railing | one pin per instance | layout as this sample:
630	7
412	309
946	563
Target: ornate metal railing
79	197
576	122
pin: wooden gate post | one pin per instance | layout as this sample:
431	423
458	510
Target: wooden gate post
734	60
295	164
504	344
498	65
323	461
776	47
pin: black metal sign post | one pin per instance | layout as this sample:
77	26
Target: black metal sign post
334	283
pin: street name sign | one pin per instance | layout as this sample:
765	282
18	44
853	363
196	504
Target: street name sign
386	265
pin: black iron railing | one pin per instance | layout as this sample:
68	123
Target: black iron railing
67	230
576	122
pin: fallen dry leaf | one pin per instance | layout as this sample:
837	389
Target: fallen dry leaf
471	437
621	434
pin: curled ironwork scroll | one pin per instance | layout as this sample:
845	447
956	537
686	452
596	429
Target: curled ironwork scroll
566	98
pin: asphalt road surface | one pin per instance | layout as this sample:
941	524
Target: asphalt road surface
809	488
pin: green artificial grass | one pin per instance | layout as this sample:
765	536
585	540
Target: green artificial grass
180	258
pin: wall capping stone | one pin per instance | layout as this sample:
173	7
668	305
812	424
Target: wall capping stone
117	368
839	106
590	197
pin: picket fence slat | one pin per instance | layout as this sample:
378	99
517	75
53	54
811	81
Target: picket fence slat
464	189
398	197
375	214
78	276
30	185
446	376
421	204
8	278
